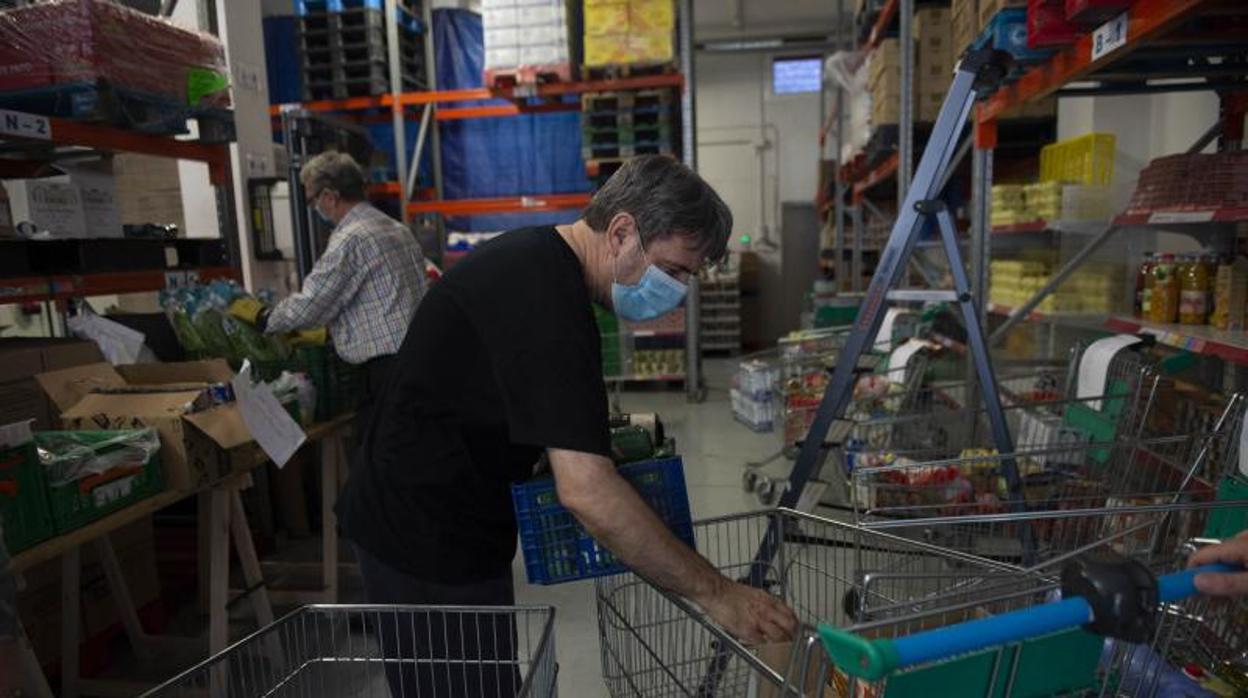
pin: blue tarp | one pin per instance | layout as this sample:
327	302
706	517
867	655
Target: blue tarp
504	156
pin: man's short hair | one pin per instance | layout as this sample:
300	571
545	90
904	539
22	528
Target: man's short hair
664	197
337	171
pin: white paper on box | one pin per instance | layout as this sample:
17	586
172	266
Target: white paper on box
1094	366
270	425
118	343
101	211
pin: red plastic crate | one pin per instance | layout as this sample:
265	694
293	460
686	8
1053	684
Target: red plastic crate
1091	12
1047	26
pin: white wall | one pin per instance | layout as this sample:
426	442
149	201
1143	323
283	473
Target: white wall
757	149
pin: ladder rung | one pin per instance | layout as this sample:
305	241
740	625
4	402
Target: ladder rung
917	294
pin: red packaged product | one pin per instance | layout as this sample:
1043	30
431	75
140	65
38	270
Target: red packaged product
1047	25
96	42
1092	12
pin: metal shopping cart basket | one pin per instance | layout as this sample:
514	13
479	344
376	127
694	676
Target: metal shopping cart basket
385	651
1011	635
836	575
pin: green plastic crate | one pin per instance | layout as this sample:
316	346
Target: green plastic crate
1227	523
1061	664
24	513
338	383
110	470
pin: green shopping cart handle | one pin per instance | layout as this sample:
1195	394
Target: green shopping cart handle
875	659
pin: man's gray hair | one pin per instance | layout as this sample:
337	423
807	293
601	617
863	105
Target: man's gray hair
665	198
337	171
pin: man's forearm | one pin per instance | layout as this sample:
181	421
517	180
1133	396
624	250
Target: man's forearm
616	516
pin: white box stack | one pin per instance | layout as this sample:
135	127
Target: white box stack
526	33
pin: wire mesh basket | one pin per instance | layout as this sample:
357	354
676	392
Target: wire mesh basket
385	651
880	586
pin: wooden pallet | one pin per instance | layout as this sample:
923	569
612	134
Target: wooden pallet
628	70
504	78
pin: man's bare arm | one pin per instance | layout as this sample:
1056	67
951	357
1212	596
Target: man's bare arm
614	514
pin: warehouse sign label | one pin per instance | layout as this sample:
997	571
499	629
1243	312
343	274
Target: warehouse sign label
1110	36
16	123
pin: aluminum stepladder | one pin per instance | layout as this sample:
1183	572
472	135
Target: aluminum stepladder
978	71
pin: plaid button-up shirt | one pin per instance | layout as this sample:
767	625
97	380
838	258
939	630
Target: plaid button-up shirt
365	288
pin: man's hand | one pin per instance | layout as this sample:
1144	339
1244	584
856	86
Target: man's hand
1234	552
751	615
309	338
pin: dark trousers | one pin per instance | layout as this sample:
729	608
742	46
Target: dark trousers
457	653
377	373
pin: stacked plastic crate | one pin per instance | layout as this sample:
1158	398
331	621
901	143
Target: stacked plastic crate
344	51
528	42
616	126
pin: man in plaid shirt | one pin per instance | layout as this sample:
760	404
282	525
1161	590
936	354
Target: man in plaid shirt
366	286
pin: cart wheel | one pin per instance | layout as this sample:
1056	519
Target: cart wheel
850	604
766	491
749	480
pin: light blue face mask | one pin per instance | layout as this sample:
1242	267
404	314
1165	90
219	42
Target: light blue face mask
316	207
655	294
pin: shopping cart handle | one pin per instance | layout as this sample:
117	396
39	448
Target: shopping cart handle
874	659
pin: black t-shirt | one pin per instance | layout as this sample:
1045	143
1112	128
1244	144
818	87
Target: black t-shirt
501	362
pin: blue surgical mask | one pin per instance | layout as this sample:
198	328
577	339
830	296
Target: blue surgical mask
324	218
655	294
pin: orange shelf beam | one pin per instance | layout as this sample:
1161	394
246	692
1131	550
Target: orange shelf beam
509	204
883	171
554	89
71	132
1146	19
66	286
887	14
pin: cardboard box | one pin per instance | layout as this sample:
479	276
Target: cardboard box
52	204
885	59
21	359
198	445
964	21
932	28
97	189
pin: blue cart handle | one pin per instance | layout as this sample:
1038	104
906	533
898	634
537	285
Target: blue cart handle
874	659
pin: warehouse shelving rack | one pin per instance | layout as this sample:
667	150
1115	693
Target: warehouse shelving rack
30	141
1200	40
427	107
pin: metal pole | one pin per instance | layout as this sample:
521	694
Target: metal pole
421	136
694	389
859	237
1207	137
905	125
981	215
431	83
394	56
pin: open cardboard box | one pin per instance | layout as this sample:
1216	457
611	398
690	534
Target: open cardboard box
197	446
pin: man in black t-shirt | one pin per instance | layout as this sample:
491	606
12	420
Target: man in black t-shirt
502	365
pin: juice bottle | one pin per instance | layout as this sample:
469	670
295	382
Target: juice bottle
1143	287
1193	291
1164	301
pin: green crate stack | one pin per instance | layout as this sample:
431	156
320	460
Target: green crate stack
24	513
616	126
609	334
337	382
79	502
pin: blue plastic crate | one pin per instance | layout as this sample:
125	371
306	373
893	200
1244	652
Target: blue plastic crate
1007	31
557	549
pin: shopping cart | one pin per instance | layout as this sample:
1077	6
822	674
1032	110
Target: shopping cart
385	651
1170	639
867	583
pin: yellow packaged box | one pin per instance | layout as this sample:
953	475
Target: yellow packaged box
605	18
650	47
651	16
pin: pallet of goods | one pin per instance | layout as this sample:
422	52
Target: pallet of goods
528	42
344	51
626	38
99	61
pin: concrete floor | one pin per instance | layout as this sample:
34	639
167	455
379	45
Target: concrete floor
714	448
